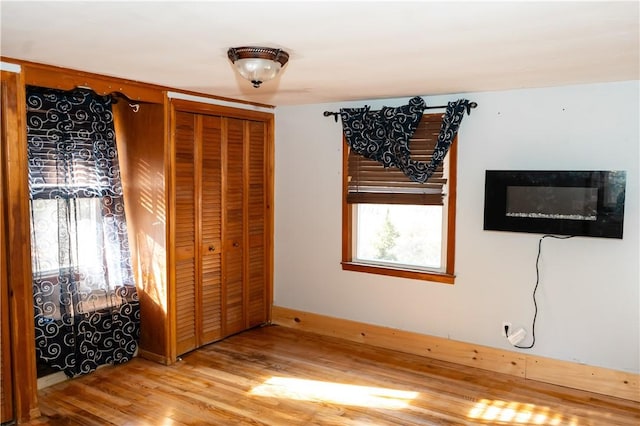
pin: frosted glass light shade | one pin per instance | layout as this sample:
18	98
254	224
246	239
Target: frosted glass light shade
258	64
257	69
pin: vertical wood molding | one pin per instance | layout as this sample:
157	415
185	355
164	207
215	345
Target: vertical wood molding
269	213
169	189
6	377
19	247
347	218
198	167
452	186
246	247
224	169
171	230
578	376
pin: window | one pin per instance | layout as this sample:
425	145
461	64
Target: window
86	309
84	245
393	226
83	211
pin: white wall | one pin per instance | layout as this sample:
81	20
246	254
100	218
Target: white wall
589	293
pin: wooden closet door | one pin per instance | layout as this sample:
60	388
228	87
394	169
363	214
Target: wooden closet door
220	227
245	232
185	231
198	225
257	310
233	226
211	230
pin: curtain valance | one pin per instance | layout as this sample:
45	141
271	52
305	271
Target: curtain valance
384	135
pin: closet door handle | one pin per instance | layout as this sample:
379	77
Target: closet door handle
212	248
236	244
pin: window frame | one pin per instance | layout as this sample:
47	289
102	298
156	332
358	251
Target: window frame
400	271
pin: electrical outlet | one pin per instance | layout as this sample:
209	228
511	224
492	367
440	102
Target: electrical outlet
506	326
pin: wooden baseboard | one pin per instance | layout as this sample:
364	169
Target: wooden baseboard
578	376
153	357
51	379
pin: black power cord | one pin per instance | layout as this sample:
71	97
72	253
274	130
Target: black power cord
535	304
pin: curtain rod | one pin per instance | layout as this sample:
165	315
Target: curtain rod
469	106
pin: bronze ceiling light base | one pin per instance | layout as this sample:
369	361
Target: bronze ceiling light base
258	64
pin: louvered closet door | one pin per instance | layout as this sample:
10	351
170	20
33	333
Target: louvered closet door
198	225
257	279
185	232
211	226
233	228
245	226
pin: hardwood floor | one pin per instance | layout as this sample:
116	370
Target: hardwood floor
279	376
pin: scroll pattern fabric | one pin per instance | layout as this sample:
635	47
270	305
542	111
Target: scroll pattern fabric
86	305
384	135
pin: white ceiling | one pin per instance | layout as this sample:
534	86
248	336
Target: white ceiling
339	50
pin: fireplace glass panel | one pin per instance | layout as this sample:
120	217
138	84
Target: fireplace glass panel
552	202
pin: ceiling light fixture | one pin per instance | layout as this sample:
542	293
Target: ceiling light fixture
258	64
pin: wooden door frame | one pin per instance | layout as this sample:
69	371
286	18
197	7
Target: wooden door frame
18	249
6	410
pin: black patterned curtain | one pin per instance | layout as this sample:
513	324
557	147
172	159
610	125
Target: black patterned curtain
384	135
86	306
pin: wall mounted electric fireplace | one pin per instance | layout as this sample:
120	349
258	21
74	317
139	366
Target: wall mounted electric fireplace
580	203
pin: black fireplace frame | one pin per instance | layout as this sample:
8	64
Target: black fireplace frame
609	219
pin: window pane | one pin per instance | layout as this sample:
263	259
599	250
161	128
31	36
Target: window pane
66	233
400	234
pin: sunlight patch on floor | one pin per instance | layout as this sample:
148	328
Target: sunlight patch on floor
168	421
511	412
337	393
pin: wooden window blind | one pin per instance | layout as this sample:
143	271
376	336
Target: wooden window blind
369	182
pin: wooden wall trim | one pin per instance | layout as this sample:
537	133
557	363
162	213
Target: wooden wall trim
451	187
269	209
66	79
578	376
170	194
151	356
169	189
6	376
18	250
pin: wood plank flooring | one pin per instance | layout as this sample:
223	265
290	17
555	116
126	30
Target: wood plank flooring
279	376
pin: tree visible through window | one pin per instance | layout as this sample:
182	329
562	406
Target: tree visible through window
400	234
387	237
